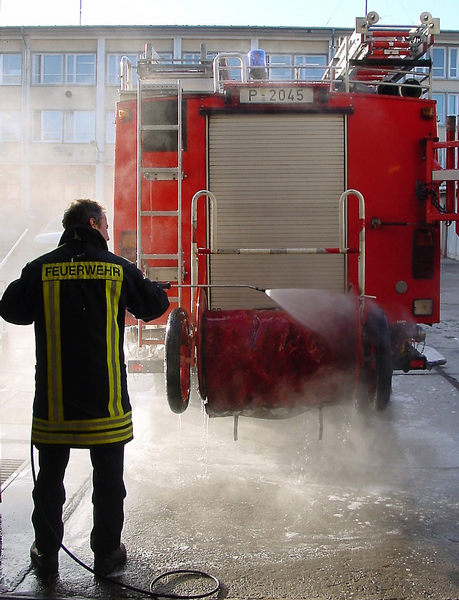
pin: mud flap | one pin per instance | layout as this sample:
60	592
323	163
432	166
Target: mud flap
433	358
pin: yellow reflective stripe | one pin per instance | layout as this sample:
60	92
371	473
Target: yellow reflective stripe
82	439
52	274
51	299
82	270
116	345
112	292
83	424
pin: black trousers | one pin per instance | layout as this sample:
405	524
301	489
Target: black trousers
107	497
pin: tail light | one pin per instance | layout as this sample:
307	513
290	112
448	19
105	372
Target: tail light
423	307
423	253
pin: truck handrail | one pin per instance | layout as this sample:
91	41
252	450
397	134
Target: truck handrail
393	59
194	226
217	67
343	206
341	249
125	74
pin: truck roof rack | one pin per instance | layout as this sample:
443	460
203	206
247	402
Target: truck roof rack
379	56
375	58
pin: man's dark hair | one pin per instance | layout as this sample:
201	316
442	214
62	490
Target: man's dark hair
81	211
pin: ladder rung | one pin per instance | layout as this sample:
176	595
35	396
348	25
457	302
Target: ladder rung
445	175
159	127
160	256
154	173
159	169
153	342
159	213
173	272
163	273
159	86
173	298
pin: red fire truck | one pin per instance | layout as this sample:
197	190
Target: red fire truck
297	221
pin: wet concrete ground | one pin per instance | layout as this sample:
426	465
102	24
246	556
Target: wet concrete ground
370	511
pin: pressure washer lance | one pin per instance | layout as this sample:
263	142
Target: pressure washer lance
168	285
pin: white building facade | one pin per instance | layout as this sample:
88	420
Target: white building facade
59	86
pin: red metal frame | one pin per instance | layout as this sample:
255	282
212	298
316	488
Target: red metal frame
390	147
256	361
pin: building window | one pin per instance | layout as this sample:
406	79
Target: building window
315	70
80	69
10	126
10	69
114	71
80	126
301	67
453	72
165	57
47	69
64	126
453	104
440	100
48	126
280	67
110	127
439	63
423	70
191	58
230	67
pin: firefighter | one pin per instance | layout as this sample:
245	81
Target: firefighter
76	296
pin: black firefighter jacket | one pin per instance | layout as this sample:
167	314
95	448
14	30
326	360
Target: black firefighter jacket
76	297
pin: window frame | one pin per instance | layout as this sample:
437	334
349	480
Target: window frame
302	68
44	127
277	70
66	78
191	58
66	127
74	70
435	50
2	69
452	104
39	68
165	56
456	63
295	67
73	126
441	114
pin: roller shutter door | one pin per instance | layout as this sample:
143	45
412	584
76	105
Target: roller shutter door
277	180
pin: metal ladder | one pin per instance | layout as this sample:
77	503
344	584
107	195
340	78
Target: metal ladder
384	54
151	173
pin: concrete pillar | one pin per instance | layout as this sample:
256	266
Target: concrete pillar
177	49
26	126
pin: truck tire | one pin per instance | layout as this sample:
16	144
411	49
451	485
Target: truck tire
376	378
177	359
